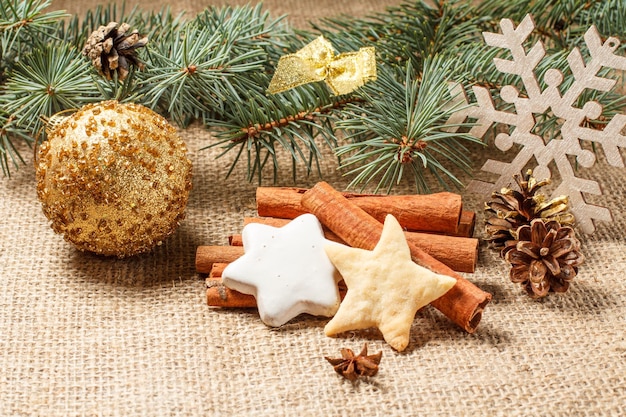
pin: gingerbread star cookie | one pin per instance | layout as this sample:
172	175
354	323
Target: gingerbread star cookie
287	270
385	287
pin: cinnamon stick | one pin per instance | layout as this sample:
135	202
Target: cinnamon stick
206	256
235	240
463	303
467	224
219	295
437	213
459	253
217	269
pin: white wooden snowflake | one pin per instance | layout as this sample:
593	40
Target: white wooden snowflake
566	150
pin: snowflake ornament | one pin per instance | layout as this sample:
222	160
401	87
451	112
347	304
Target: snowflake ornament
566	151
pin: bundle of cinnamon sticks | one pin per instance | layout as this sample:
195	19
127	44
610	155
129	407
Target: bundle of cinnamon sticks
438	232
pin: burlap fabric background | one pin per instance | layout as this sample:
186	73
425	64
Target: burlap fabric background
85	336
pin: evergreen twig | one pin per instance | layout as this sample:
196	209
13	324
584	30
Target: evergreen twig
215	67
46	81
260	124
402	130
22	24
9	131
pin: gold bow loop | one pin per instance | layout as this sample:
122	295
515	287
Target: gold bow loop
317	61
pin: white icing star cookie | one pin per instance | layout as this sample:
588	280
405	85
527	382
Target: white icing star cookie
385	287
287	270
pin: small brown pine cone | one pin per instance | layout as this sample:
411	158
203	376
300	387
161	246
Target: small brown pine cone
511	209
544	257
112	48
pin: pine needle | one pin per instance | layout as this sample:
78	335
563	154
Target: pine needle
215	67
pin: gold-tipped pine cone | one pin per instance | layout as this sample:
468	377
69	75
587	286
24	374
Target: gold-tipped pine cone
511	209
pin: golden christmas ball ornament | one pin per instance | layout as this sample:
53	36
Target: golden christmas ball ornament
113	178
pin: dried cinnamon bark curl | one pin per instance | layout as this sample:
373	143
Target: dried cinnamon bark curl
463	304
433	213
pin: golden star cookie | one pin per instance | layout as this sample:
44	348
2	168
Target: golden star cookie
385	287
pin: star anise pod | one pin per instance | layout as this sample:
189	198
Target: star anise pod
352	367
113	48
544	257
511	209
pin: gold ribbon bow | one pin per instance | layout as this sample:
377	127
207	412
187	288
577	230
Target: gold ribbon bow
343	73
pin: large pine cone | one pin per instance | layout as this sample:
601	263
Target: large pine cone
112	48
544	257
511	209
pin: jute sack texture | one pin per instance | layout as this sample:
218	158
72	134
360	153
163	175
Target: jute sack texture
82	335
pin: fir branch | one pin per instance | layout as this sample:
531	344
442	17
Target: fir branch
22	24
426	31
403	128
27	15
216	67
246	27
261	125
608	16
197	70
558	23
9	132
50	79
411	31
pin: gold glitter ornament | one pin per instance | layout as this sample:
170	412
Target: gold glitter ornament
113	178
